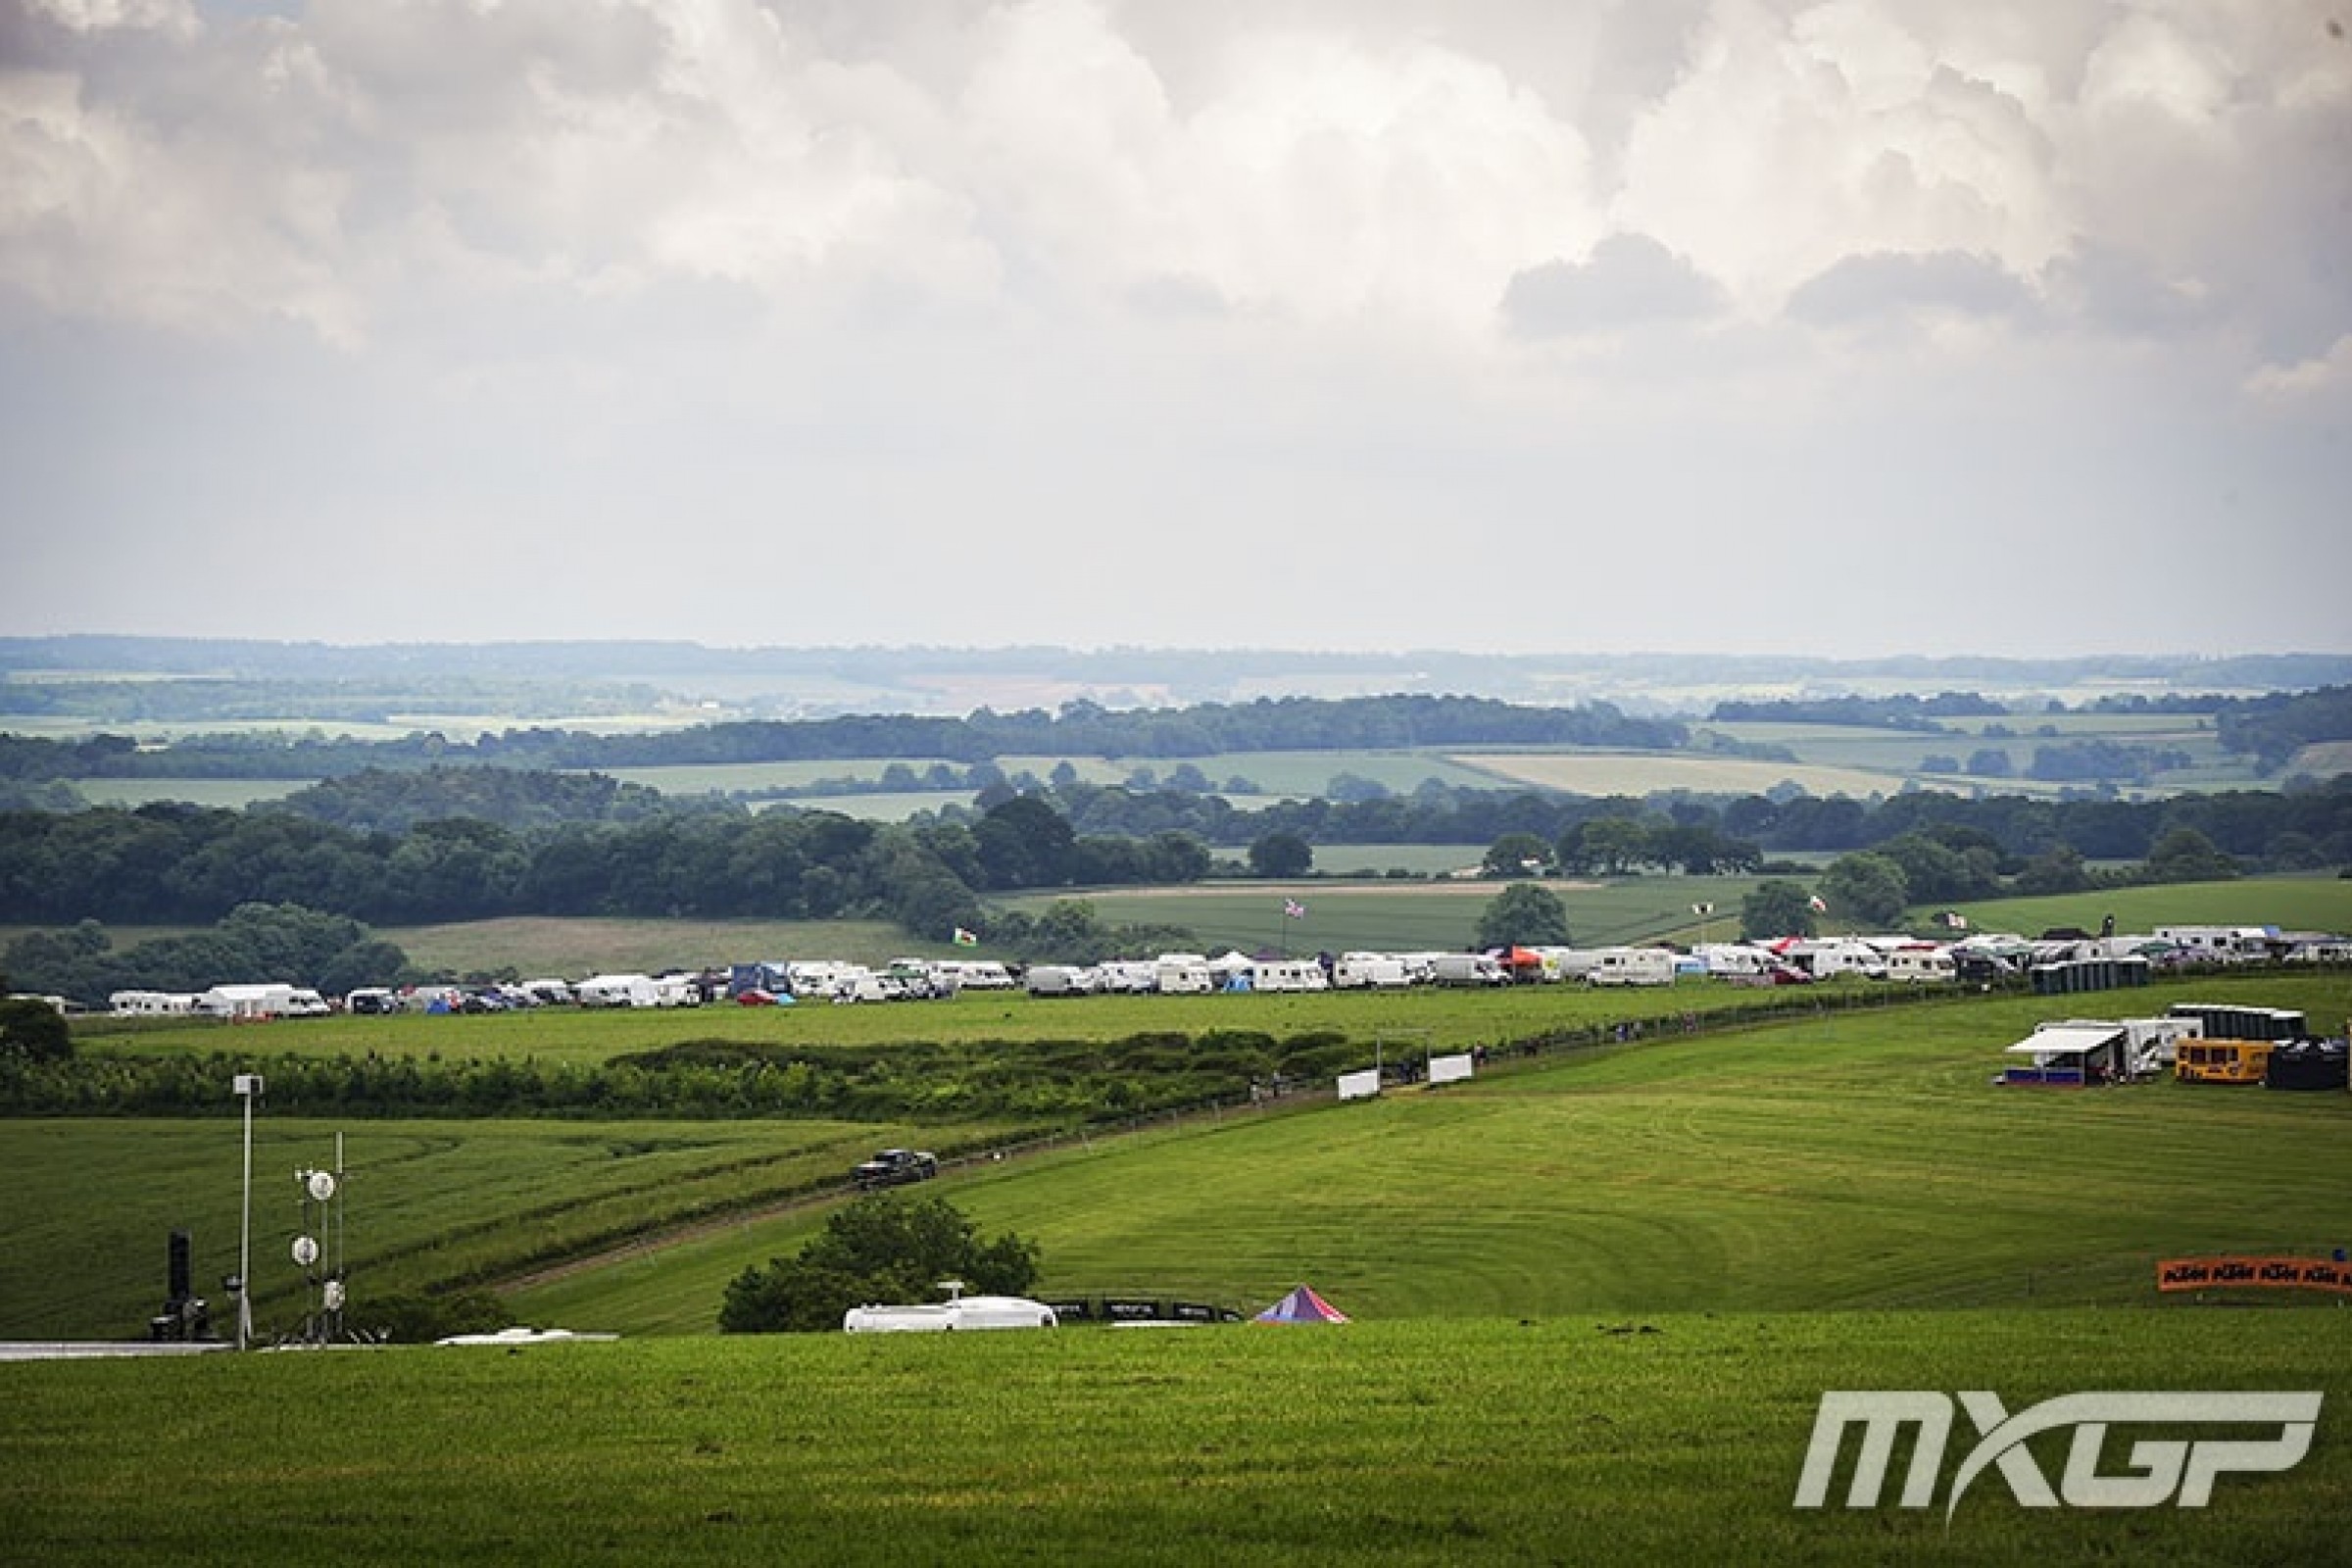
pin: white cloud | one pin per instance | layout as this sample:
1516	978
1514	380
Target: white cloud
1343	290
1629	281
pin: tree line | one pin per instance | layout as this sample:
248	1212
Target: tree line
1077	729
179	864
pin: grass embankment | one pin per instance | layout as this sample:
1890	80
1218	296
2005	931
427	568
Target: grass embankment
1571	1439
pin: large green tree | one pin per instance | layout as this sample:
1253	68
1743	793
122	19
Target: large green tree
1280	855
1775	909
1524	915
884	1248
1866	887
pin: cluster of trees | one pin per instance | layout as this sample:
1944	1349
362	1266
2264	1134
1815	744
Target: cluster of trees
176	865
1905	711
885	1247
282	941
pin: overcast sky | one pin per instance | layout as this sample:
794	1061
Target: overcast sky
1873	326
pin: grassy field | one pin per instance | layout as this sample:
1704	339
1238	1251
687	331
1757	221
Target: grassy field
427	1204
2291	902
1668	1440
1850	1161
1640	773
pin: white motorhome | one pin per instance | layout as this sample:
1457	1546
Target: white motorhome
964	1314
1733	960
616	990
267	1001
152	1003
1926	964
1126	977
1825	957
1182	974
2218	944
1288	975
981	975
1369	971
1633	966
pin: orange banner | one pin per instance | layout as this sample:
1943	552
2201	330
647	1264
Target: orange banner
2256	1273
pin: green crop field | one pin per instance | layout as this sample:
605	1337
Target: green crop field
1666	1440
1640	773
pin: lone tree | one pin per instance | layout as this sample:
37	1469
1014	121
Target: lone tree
1280	853
1775	909
1526	915
885	1247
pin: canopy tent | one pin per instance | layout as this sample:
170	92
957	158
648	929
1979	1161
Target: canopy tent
1303	1306
2071	1053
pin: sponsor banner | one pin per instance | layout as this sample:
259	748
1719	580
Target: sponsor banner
2260	1273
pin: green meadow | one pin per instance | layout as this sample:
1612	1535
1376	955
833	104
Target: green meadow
1666	1439
1849	1159
1597	1297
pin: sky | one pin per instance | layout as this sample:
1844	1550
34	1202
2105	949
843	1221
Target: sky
1851	328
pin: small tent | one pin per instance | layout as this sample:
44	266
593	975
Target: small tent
1303	1306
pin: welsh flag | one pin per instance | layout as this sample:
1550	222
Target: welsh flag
967	939
1294	910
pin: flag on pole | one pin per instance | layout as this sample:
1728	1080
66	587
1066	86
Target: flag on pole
1953	921
1702	909
967	939
1815	903
1294	910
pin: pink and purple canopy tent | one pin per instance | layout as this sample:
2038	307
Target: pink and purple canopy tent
1303	1306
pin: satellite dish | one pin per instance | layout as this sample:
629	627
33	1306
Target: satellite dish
322	1185
306	1250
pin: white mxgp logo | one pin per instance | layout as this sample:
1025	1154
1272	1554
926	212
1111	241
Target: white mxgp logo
2157	1469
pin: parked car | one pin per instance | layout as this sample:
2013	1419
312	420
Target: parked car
895	1168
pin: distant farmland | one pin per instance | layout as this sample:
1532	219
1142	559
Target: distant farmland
1643	772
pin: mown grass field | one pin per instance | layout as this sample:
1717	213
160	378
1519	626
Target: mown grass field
1858	1160
1578	1439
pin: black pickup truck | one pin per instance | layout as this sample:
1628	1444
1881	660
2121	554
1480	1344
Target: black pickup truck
894	1167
